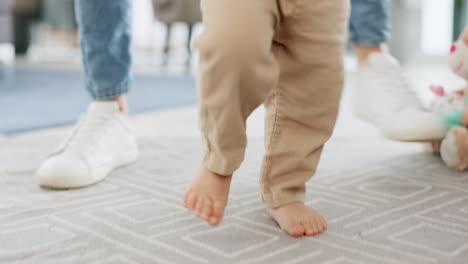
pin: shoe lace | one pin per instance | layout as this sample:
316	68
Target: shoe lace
89	134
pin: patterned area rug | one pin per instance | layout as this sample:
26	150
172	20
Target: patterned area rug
385	202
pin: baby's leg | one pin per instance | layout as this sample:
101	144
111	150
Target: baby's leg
237	70
302	110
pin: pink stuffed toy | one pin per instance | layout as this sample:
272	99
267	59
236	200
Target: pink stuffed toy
453	108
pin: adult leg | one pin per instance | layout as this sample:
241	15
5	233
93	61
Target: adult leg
102	140
105	40
369	27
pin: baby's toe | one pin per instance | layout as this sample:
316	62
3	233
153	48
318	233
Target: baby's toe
319	225
199	207
207	209
192	200
186	195
323	223
296	230
217	213
309	229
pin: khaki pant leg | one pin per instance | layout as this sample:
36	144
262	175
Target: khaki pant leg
237	69
302	109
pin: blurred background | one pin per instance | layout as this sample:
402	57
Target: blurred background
39	54
45	32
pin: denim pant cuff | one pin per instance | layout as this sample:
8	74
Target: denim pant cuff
110	94
370	42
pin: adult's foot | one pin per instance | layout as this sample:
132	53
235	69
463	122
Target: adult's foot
298	220
207	195
100	142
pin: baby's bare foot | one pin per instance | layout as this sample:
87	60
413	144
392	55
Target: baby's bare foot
207	195
298	220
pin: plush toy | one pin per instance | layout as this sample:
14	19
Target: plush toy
449	105
453	108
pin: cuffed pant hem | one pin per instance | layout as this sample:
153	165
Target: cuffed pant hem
367	42
219	165
277	200
111	94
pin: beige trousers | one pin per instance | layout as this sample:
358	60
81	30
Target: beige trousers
287	55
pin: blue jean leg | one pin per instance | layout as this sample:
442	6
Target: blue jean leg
105	39
370	22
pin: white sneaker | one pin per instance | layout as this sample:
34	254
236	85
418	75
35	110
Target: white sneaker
7	54
383	97
101	141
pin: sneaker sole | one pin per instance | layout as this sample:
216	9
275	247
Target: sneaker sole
363	117
125	162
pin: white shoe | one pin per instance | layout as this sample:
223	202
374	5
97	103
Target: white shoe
383	97
7	54
101	141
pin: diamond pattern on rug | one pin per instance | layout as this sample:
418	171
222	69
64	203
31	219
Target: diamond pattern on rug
397	205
